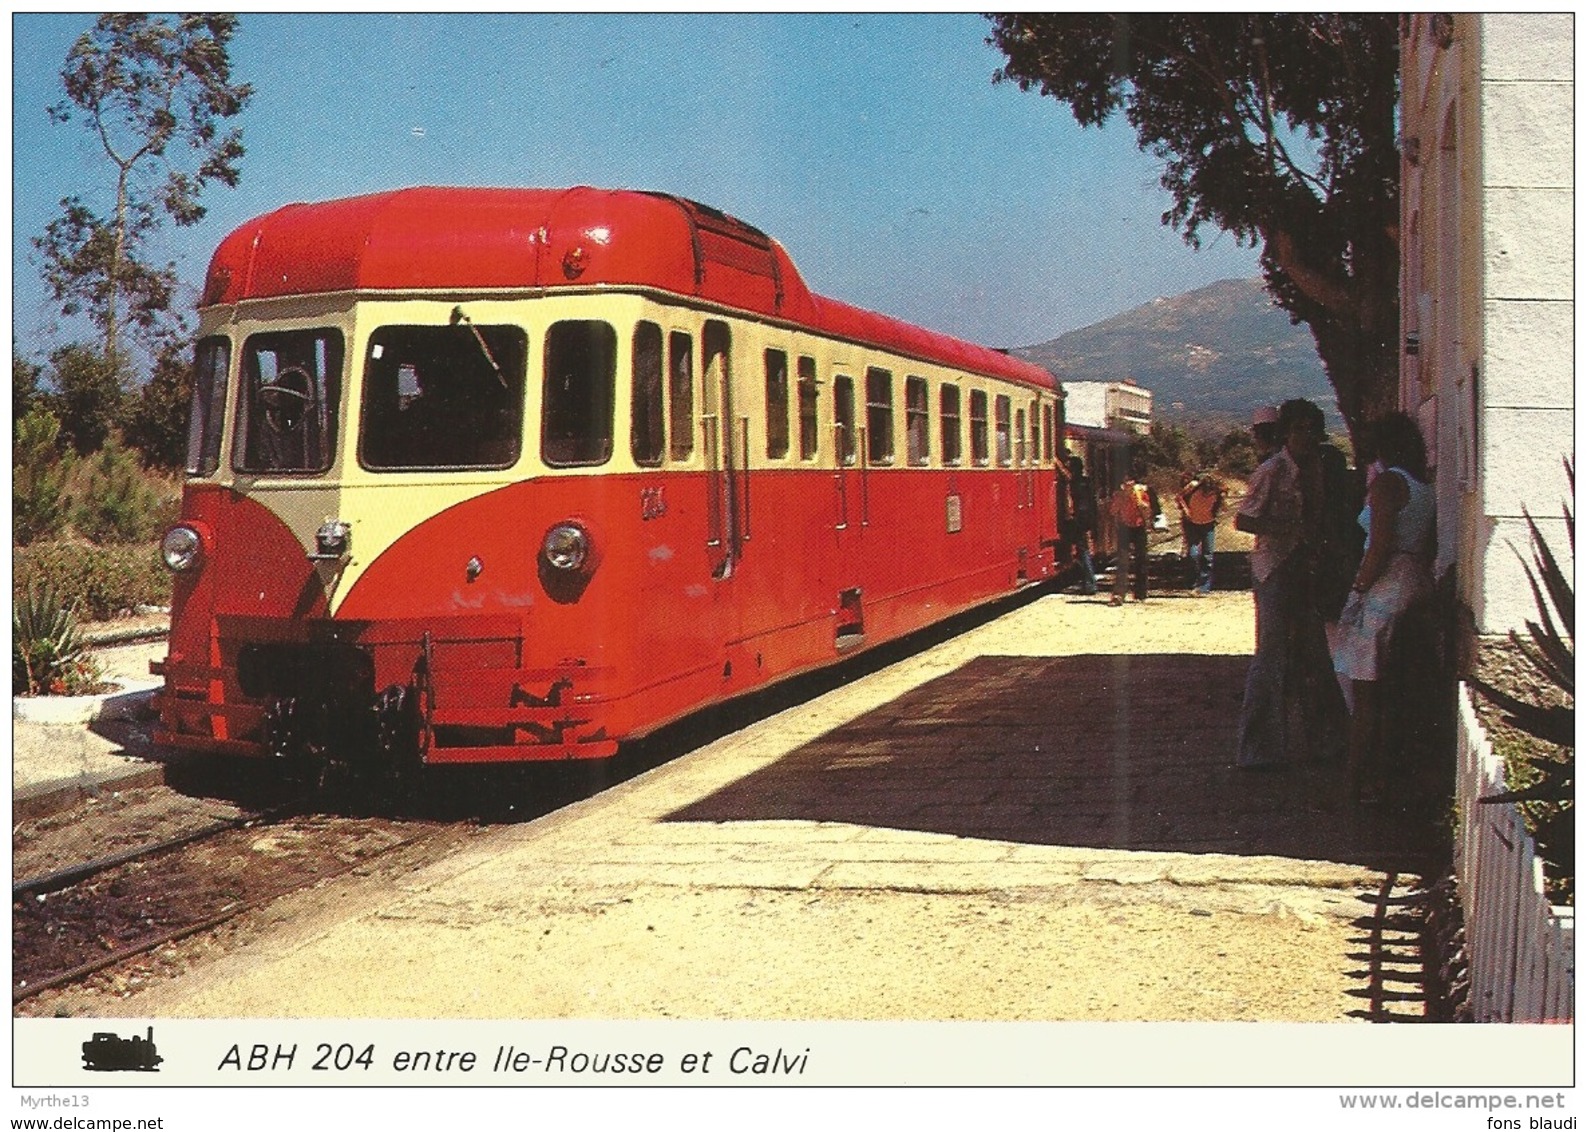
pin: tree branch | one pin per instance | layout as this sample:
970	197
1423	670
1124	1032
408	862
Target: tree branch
1316	285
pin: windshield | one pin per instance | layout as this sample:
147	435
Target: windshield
287	411
443	397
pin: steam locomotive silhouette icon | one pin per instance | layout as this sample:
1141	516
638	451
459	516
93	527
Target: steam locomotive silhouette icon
106	1052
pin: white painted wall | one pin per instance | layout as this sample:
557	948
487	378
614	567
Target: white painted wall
1488	241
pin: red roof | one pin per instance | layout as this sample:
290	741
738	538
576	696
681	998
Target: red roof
426	239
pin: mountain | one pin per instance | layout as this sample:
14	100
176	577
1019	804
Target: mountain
1214	353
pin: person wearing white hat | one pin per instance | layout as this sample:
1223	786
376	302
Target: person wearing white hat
1264	430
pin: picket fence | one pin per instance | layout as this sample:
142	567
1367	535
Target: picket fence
1520	949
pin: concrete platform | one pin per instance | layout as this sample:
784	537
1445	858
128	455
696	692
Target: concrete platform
59	757
1038	819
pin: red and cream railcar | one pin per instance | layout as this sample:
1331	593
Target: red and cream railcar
494	475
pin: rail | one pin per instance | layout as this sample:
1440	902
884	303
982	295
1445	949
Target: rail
1520	948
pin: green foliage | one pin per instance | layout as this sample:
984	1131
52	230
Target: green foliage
157	420
25	392
88	396
1174	448
1236	454
118	502
39	502
154	91
1279	129
97	581
48	656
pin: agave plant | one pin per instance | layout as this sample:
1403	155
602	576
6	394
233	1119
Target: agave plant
48	656
1552	653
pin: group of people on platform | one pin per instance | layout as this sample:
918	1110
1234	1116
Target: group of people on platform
1339	556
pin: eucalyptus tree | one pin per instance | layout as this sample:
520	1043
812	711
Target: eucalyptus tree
156	91
1278	129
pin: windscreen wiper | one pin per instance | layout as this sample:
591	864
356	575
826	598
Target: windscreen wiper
458	317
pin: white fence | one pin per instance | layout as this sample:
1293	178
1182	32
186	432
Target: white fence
1520	949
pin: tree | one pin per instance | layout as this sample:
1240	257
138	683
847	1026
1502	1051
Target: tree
1236	454
1279	129
142	85
25	392
87	397
38	477
156	423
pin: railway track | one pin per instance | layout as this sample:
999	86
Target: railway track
72	923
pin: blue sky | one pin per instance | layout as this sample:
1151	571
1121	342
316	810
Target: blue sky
875	147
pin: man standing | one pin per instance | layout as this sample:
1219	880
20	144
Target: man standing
1081	522
1199	504
1133	508
1292	705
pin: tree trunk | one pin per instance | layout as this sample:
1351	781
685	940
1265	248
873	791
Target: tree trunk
117	253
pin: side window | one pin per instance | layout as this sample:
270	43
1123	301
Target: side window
917	420
211	368
843	417
1019	437
1001	405
443	397
1046	433
1035	433
979	452
952	429
808	429
648	433
580	384
680	394
290	396
776	405
878	416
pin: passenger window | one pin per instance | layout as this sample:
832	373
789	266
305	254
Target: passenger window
1035	434
776	405
580	381
1019	437
807	409
211	369
443	397
979	453
952	429
680	396
878	416
843	409
1046	433
1001	407
648	433
287	410
917	421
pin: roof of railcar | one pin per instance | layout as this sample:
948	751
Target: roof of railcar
469	239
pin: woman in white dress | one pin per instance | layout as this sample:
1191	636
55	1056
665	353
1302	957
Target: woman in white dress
1395	572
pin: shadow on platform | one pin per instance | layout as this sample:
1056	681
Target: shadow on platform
1118	752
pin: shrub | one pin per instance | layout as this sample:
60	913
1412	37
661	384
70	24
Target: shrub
48	656
88	397
38	478
118	501
96	581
